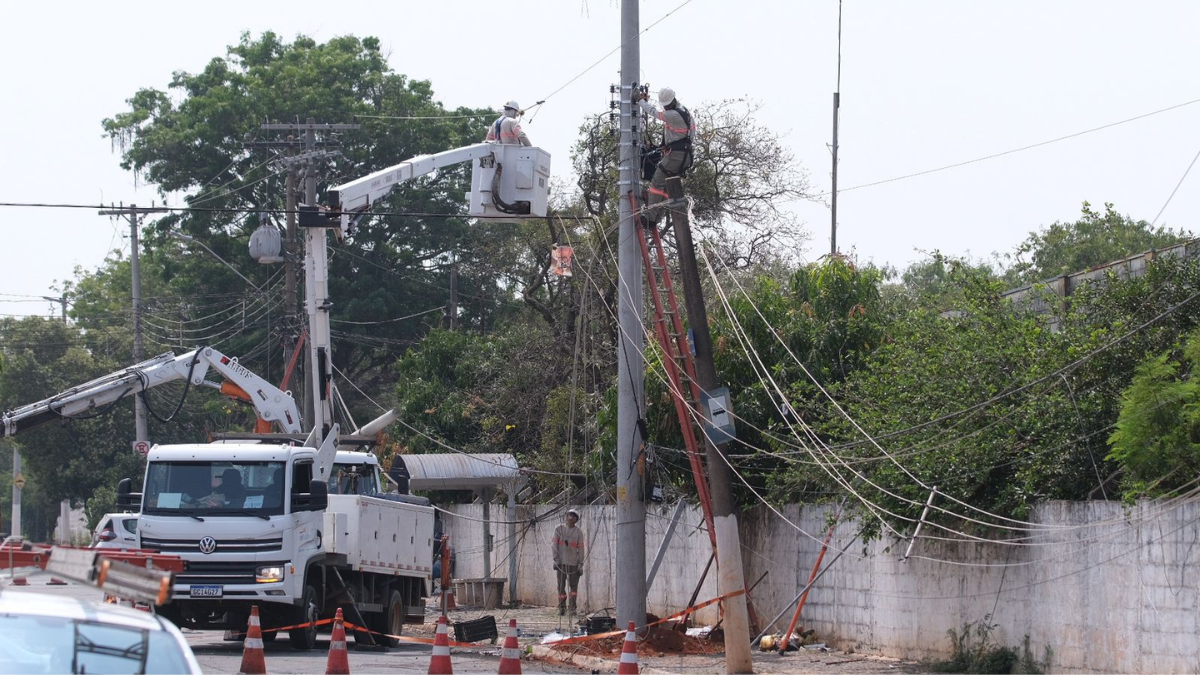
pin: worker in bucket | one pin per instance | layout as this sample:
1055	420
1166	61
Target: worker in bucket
679	128
568	561
507	129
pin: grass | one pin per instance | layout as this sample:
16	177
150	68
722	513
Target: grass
974	650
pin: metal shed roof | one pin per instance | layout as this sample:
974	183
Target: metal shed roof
458	471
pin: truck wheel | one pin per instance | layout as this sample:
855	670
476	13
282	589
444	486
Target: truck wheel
392	621
305	638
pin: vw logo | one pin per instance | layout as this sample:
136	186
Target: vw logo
208	545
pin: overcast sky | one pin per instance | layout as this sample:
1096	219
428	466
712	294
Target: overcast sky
924	85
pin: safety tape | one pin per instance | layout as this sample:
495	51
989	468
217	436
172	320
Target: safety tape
355	627
566	641
676	615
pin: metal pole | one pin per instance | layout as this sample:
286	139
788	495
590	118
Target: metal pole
16	498
803	591
486	497
512	545
631	394
139	353
833	249
662	548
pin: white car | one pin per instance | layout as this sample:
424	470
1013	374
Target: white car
116	530
44	633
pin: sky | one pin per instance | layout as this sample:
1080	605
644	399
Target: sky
924	84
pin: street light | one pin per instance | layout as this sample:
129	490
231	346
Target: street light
192	240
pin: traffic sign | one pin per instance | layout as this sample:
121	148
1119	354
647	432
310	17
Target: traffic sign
19	480
141	447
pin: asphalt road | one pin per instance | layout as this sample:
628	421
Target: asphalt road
218	656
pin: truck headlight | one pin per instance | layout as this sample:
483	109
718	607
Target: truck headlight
268	574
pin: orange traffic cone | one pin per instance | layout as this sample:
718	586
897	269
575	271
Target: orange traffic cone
253	661
449	591
629	664
339	661
510	656
440	663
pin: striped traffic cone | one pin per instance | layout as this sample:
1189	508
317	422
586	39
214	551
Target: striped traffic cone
339	661
440	663
253	660
510	656
629	662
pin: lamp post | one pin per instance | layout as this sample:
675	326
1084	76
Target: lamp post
192	240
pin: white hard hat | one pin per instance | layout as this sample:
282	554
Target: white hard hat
666	95
513	104
573	512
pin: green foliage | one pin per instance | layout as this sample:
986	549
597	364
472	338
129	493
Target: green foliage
192	138
1157	439
103	501
1094	239
974	650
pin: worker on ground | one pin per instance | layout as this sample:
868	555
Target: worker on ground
678	130
568	561
507	129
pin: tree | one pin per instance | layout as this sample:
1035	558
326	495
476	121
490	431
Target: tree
1094	239
1157	436
191	138
68	459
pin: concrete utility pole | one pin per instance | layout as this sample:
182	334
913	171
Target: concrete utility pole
131	214
730	578
318	371
631	391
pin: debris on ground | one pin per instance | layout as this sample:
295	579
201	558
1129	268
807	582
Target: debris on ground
656	642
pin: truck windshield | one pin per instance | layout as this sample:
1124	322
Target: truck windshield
214	488
353	479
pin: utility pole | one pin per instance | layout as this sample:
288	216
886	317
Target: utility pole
131	214
833	249
62	300
453	295
730	577
631	390
318	373
837	102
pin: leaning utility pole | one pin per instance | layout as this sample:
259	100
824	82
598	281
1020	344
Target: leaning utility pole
631	393
131	214
730	578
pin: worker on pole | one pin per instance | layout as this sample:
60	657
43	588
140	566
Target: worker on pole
679	128
506	129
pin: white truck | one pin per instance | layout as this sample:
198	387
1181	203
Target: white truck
294	529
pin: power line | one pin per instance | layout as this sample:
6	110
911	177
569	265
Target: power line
1015	150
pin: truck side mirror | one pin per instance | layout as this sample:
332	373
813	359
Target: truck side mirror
316	499
126	498
319	499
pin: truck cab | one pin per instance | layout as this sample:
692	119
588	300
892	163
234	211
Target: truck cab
257	528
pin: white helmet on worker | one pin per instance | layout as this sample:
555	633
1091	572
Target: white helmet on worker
666	96
573	512
513	106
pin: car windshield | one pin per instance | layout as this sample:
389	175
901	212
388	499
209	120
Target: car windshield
40	644
214	488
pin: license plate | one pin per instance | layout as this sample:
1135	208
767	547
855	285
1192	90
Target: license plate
207	591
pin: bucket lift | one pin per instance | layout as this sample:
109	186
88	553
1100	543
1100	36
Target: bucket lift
509	183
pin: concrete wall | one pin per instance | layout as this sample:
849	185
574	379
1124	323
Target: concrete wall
1110	589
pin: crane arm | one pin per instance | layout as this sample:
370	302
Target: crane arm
359	195
270	403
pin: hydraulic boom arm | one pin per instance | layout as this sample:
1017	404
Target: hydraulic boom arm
272	404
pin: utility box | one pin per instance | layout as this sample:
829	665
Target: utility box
523	187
